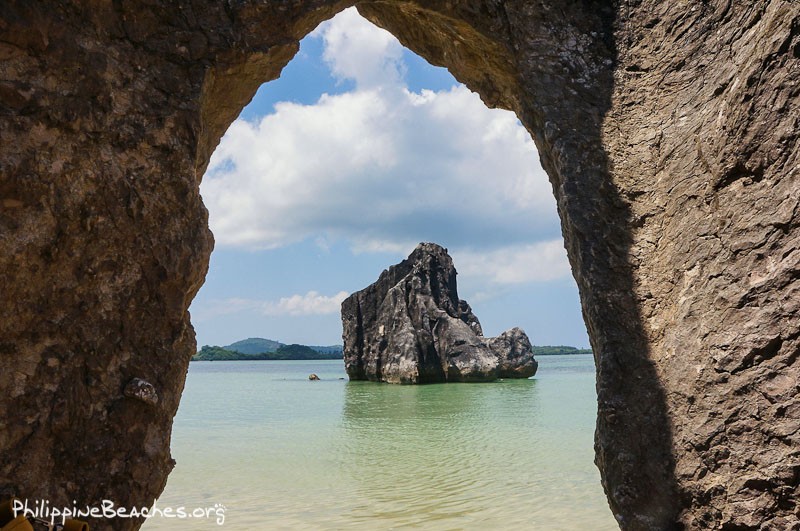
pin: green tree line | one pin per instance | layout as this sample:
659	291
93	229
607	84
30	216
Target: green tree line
284	352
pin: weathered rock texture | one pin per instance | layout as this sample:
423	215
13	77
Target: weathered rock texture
411	327
668	129
514	354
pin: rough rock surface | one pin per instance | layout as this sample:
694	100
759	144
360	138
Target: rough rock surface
411	327
668	129
514	354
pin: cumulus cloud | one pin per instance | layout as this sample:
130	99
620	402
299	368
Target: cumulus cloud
538	262
311	303
380	167
357	50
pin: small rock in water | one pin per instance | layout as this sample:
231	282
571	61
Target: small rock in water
313	377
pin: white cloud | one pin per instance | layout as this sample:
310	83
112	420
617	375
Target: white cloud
298	171
539	262
383	168
386	247
358	50
312	303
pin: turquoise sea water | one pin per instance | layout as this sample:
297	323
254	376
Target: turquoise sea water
281	452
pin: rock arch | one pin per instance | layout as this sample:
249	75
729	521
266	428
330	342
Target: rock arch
669	131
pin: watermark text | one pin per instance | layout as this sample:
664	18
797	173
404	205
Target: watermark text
42	510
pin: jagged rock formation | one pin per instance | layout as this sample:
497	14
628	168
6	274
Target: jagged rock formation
411	327
514	354
668	129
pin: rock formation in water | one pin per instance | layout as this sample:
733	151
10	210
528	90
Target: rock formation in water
514	354
669	131
411	327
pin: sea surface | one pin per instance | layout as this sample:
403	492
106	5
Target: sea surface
281	452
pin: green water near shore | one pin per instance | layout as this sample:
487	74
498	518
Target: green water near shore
281	452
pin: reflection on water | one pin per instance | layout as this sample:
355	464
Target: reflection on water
285	453
435	453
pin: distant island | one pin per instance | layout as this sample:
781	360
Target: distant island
258	349
257	345
559	350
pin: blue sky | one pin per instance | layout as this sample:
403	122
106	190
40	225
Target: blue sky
336	170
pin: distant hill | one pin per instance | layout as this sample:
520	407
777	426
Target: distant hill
254	345
559	350
256	348
282	352
330	349
303	352
258	345
209	353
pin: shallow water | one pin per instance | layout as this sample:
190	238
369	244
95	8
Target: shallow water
281	452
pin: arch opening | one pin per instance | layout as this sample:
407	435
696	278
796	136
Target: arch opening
444	139
511	70
374	154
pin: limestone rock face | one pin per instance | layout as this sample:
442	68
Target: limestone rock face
514	354
669	131
411	327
